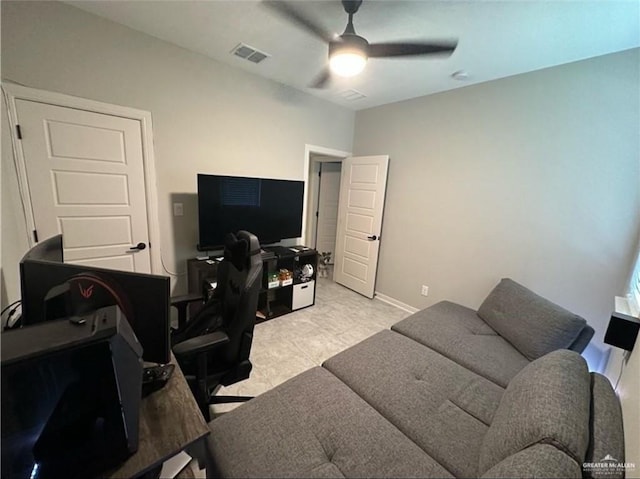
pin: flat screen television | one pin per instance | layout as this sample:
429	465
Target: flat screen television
147	295
271	209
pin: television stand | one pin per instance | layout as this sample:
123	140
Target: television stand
279	294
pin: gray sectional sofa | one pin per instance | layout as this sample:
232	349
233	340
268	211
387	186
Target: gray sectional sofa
447	392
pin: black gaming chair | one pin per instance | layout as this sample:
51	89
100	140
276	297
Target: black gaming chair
212	348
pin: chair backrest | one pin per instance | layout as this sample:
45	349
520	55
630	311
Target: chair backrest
232	307
239	284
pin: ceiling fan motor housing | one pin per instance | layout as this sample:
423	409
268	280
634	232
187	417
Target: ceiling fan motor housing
351	6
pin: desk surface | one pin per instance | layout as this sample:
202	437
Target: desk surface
170	421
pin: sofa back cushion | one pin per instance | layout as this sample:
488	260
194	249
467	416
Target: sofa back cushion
532	324
546	403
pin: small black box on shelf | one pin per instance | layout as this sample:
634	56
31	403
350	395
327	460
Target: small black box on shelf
622	331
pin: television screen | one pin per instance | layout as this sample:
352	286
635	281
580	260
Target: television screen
270	209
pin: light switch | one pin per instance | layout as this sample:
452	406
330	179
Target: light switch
177	209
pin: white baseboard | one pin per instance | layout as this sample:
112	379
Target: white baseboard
394	302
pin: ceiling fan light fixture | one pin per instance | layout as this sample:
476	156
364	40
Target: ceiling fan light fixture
347	64
348	56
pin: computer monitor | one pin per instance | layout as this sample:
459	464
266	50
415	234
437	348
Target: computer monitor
42	270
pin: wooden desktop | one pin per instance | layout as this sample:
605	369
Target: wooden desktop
170	422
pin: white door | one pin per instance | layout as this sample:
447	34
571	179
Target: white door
85	174
328	208
362	190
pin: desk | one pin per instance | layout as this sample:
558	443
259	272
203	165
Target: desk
170	422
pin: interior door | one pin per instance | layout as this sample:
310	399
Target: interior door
362	192
328	207
85	174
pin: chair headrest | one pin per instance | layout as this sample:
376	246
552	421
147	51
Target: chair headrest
239	248
252	240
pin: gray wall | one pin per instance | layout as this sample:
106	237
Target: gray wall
12	220
207	117
534	177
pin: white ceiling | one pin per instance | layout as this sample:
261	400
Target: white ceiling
495	38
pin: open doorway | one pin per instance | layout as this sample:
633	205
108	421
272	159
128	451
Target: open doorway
324	223
327	212
323	193
361	198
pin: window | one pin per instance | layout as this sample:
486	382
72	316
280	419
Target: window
634	287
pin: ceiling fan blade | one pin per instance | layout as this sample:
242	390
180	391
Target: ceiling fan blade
322	79
401	49
288	11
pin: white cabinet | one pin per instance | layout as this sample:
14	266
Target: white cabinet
303	295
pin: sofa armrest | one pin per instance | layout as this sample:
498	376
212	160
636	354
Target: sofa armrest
582	340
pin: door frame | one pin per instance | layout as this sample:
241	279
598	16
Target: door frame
311	168
13	92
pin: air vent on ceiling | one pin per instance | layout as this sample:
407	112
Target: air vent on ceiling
249	53
351	95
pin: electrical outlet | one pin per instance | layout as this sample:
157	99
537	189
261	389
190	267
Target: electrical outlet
425	290
178	209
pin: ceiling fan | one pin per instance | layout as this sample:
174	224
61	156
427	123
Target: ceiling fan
349	52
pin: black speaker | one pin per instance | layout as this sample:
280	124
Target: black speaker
622	331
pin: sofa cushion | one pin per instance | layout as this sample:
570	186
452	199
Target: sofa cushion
442	406
541	460
531	323
313	426
605	427
460	334
546	403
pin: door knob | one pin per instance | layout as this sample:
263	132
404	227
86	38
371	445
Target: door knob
372	238
138	247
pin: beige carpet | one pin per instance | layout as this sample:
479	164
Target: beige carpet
288	345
